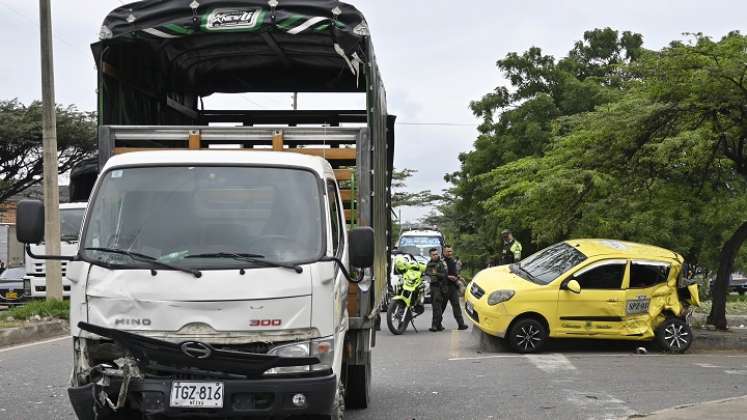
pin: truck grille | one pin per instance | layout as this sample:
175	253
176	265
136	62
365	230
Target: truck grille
476	290
40	268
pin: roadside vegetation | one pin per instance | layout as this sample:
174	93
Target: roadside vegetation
37	309
616	141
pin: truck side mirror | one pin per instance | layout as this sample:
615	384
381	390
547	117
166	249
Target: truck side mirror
361	247
30	221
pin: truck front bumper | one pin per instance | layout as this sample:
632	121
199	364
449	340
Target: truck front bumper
242	398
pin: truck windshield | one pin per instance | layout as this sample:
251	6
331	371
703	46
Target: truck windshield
70	221
177	212
419	244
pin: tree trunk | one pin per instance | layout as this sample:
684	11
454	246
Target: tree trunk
717	317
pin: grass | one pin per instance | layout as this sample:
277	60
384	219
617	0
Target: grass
735	305
43	308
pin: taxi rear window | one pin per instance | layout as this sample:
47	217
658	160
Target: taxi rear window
646	274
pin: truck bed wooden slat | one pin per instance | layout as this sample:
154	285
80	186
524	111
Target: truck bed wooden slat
329	154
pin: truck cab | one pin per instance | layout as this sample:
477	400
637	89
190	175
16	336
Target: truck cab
35	280
231	261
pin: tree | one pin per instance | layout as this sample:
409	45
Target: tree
521	121
21	143
401	197
703	83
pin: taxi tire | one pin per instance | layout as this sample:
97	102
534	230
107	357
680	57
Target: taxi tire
527	335
674	335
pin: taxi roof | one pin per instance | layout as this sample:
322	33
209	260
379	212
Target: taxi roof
596	247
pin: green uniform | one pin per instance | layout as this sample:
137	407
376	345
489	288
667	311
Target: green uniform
510	252
438	273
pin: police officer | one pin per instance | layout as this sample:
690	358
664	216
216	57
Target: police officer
436	270
452	287
510	249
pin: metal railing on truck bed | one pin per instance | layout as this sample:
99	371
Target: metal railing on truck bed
342	147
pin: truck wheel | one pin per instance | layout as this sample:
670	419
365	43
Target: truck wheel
674	335
358	386
527	335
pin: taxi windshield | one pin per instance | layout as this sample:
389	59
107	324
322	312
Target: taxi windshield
548	264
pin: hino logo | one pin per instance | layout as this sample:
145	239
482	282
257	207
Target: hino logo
223	19
132	322
196	349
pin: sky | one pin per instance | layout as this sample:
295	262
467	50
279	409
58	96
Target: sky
435	56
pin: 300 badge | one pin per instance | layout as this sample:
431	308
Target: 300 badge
265	322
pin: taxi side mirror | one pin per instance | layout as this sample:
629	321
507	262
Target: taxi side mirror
573	286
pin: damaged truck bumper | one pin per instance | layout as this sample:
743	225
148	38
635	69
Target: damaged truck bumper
260	397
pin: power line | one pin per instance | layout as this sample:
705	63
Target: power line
35	22
438	124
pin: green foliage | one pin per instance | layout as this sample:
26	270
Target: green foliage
21	143
611	141
43	308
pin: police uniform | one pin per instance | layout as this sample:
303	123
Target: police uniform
437	272
452	291
510	252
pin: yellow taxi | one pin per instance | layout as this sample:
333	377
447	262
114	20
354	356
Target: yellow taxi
588	288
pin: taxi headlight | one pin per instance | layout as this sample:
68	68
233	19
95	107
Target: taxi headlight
500	296
323	349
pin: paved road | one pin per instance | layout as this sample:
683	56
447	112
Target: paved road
433	376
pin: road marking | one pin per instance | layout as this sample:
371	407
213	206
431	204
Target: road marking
551	363
454	344
736	372
706	365
496	356
23	346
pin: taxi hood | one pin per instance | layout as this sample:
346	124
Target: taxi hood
497	278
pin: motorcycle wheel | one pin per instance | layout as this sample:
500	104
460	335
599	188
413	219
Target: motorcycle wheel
394	317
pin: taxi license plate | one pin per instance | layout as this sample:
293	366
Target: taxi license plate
197	394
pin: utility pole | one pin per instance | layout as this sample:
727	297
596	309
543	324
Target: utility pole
295	101
49	127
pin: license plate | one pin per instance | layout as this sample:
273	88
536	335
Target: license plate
11	296
638	305
197	394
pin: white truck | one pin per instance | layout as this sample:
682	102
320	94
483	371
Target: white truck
230	283
35	281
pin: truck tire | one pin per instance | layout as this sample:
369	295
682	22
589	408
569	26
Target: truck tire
358	385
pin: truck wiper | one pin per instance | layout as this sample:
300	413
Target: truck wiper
148	259
250	258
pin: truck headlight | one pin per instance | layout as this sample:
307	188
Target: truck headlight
323	349
500	296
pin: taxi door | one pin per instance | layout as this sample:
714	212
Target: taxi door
647	289
599	309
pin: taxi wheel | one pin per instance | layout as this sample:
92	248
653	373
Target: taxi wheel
527	335
674	335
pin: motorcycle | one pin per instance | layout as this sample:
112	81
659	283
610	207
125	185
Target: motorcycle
407	302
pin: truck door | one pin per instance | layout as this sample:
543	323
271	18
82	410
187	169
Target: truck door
600	307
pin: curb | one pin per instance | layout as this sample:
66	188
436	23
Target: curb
731	320
727	408
33	332
719	340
